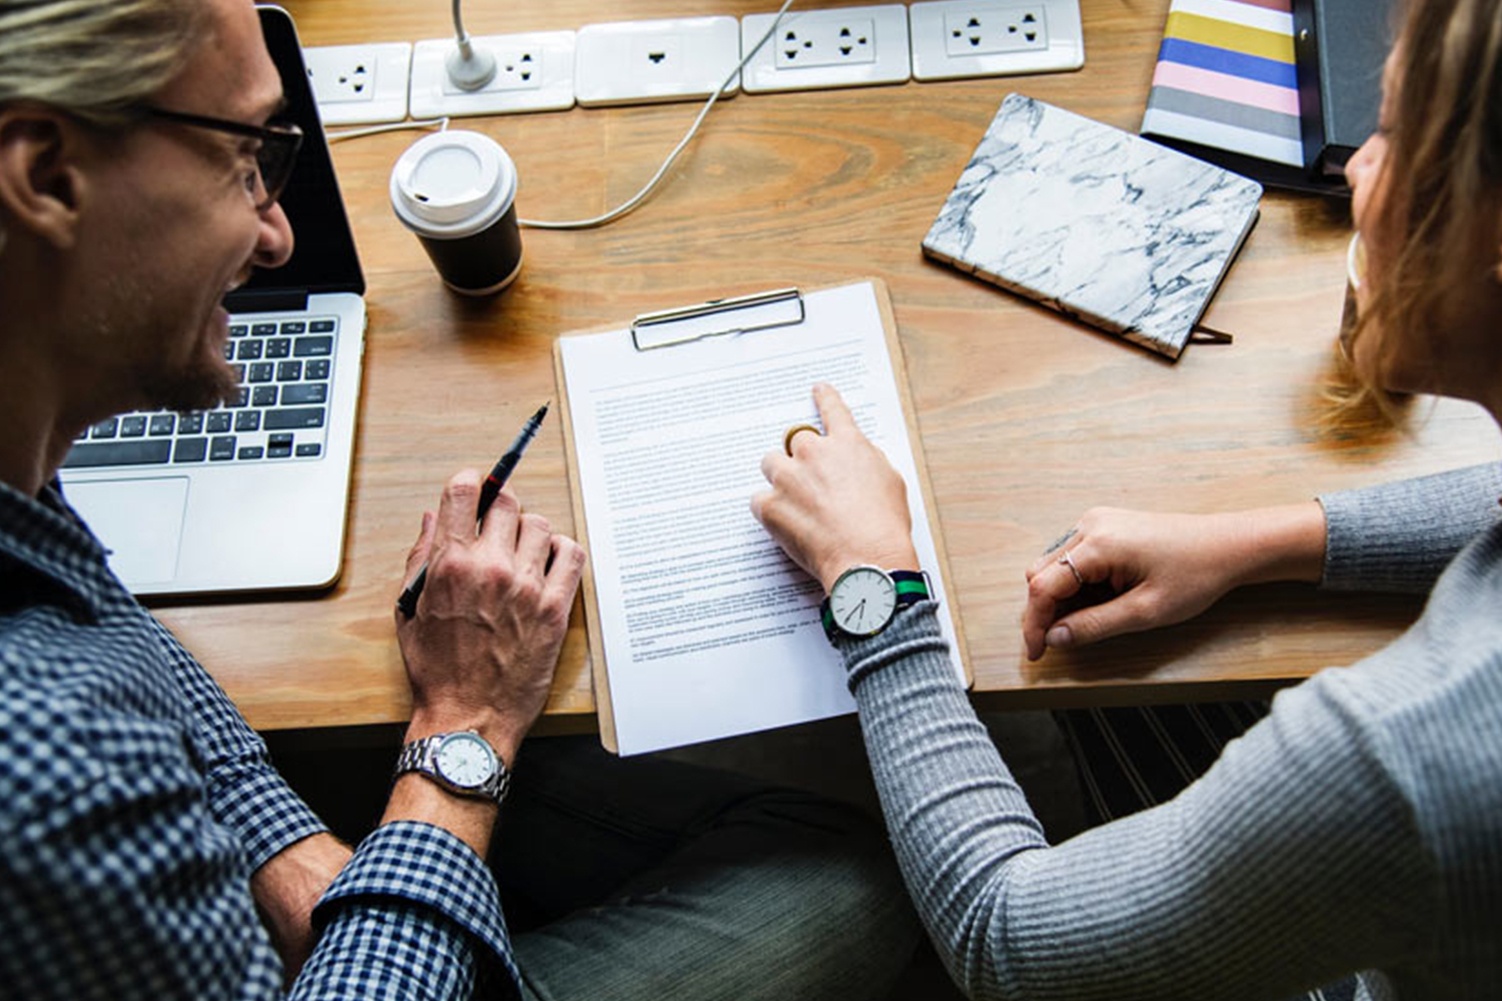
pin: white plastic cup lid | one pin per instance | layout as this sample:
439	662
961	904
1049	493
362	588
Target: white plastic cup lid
452	184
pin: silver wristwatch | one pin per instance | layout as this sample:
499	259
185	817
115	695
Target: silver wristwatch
464	763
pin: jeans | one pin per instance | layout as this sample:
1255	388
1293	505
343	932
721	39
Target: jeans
648	878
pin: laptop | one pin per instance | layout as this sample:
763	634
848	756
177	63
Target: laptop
251	496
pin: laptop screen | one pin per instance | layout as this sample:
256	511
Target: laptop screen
323	257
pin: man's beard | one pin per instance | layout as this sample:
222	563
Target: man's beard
201	385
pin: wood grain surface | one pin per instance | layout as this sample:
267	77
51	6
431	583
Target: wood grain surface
1026	418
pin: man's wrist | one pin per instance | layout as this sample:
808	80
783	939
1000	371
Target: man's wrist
503	734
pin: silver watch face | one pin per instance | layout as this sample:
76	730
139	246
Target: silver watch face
862	601
465	760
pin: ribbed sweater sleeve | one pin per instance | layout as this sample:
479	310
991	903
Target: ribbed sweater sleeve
1227	892
1398	537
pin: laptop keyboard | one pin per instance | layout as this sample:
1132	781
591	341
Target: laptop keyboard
285	371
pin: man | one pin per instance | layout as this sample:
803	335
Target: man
147	847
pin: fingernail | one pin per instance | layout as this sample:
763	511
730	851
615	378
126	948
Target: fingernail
1060	637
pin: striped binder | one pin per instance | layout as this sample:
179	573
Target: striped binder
1226	83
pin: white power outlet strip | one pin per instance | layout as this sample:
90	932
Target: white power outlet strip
360	84
534	72
842	47
645	62
967	38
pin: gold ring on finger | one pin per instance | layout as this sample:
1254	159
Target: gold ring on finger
790	433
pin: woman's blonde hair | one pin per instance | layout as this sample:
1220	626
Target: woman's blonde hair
95	59
1442	171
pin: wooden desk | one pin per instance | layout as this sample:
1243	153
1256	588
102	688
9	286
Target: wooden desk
1027	419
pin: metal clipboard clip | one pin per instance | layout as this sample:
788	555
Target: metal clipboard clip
778	308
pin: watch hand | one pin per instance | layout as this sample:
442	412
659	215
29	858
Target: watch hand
859	611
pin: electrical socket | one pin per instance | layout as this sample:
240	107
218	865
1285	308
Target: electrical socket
360	84
841	47
534	72
825	43
646	62
1022	29
969	38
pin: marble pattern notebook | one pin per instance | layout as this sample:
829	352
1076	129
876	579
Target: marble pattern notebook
1100	224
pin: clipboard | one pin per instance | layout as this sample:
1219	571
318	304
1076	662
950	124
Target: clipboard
666	330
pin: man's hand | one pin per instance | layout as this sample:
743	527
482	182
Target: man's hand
836	501
483	645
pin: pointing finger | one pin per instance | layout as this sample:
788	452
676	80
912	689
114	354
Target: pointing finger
833	411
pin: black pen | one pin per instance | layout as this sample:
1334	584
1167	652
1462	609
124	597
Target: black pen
489	491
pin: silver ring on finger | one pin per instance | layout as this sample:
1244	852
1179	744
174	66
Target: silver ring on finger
1068	561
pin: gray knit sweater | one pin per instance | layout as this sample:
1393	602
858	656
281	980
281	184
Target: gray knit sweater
1357	828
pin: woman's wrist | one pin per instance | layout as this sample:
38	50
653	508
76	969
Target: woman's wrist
1281	543
891	558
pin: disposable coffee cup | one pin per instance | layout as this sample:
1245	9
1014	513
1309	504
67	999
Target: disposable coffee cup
457	191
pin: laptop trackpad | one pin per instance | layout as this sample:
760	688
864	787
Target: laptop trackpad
141	521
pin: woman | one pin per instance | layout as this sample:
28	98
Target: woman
1358	828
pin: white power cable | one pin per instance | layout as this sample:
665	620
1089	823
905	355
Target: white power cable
641	196
441	124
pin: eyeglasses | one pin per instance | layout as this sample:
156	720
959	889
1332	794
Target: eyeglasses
275	157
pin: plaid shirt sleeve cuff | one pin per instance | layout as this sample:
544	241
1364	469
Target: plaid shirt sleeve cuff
416	863
263	810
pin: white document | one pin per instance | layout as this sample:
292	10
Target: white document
709	629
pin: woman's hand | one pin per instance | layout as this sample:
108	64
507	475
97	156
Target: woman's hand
1161	569
836	501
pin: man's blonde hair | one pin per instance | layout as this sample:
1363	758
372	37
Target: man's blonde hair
95	59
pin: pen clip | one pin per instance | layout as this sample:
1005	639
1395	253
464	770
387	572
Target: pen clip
778	308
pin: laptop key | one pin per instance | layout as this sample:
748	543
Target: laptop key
313	347
261	371
295	327
252	452
133	426
190	450
263	396
294	419
263	329
238	330
309	450
321	326
249	350
144	452
248	420
241	399
105	429
190	423
306	392
317	368
221	449
278	347
162	424
218	422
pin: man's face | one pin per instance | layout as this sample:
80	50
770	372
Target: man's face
178	225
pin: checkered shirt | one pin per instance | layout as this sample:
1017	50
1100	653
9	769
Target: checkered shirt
135	803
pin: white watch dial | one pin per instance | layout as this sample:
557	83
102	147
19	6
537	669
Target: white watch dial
862	600
465	759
